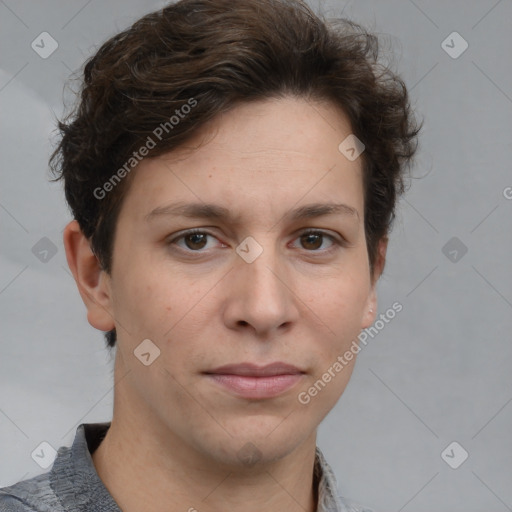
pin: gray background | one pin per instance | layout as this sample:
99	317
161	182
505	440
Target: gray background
439	372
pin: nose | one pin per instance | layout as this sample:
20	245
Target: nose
260	295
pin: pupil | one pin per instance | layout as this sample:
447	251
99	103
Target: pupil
194	237
309	236
197	238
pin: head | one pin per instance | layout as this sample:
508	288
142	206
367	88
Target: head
244	106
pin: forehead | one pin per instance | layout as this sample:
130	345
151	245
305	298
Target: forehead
261	157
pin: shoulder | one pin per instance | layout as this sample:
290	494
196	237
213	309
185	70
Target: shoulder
9	503
32	495
350	506
329	500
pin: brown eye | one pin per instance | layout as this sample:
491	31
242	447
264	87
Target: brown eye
195	241
192	241
313	240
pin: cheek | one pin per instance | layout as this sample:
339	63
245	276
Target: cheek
145	303
341	307
340	301
168	309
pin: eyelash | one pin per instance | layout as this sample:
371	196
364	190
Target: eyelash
336	243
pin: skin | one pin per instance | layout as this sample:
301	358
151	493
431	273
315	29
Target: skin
175	437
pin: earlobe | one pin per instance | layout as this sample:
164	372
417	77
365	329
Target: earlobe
371	305
371	309
92	282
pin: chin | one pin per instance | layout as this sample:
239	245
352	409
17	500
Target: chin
247	454
259	441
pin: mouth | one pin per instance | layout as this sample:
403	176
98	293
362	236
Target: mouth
247	380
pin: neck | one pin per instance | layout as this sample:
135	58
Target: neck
146	466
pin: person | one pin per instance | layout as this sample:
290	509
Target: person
232	168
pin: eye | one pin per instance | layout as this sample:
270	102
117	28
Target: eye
194	239
313	239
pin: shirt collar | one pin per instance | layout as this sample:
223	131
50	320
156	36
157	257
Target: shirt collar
74	478
328	499
78	486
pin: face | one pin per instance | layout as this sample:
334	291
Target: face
249	287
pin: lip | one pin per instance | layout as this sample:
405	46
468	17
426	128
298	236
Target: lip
253	370
248	380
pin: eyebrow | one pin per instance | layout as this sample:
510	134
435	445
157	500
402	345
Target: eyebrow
218	212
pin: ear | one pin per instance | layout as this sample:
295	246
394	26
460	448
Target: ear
93	282
371	304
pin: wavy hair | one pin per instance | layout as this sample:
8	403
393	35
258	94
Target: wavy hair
221	53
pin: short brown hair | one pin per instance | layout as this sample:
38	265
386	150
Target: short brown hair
220	53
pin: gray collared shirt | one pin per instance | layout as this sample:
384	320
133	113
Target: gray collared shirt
73	485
